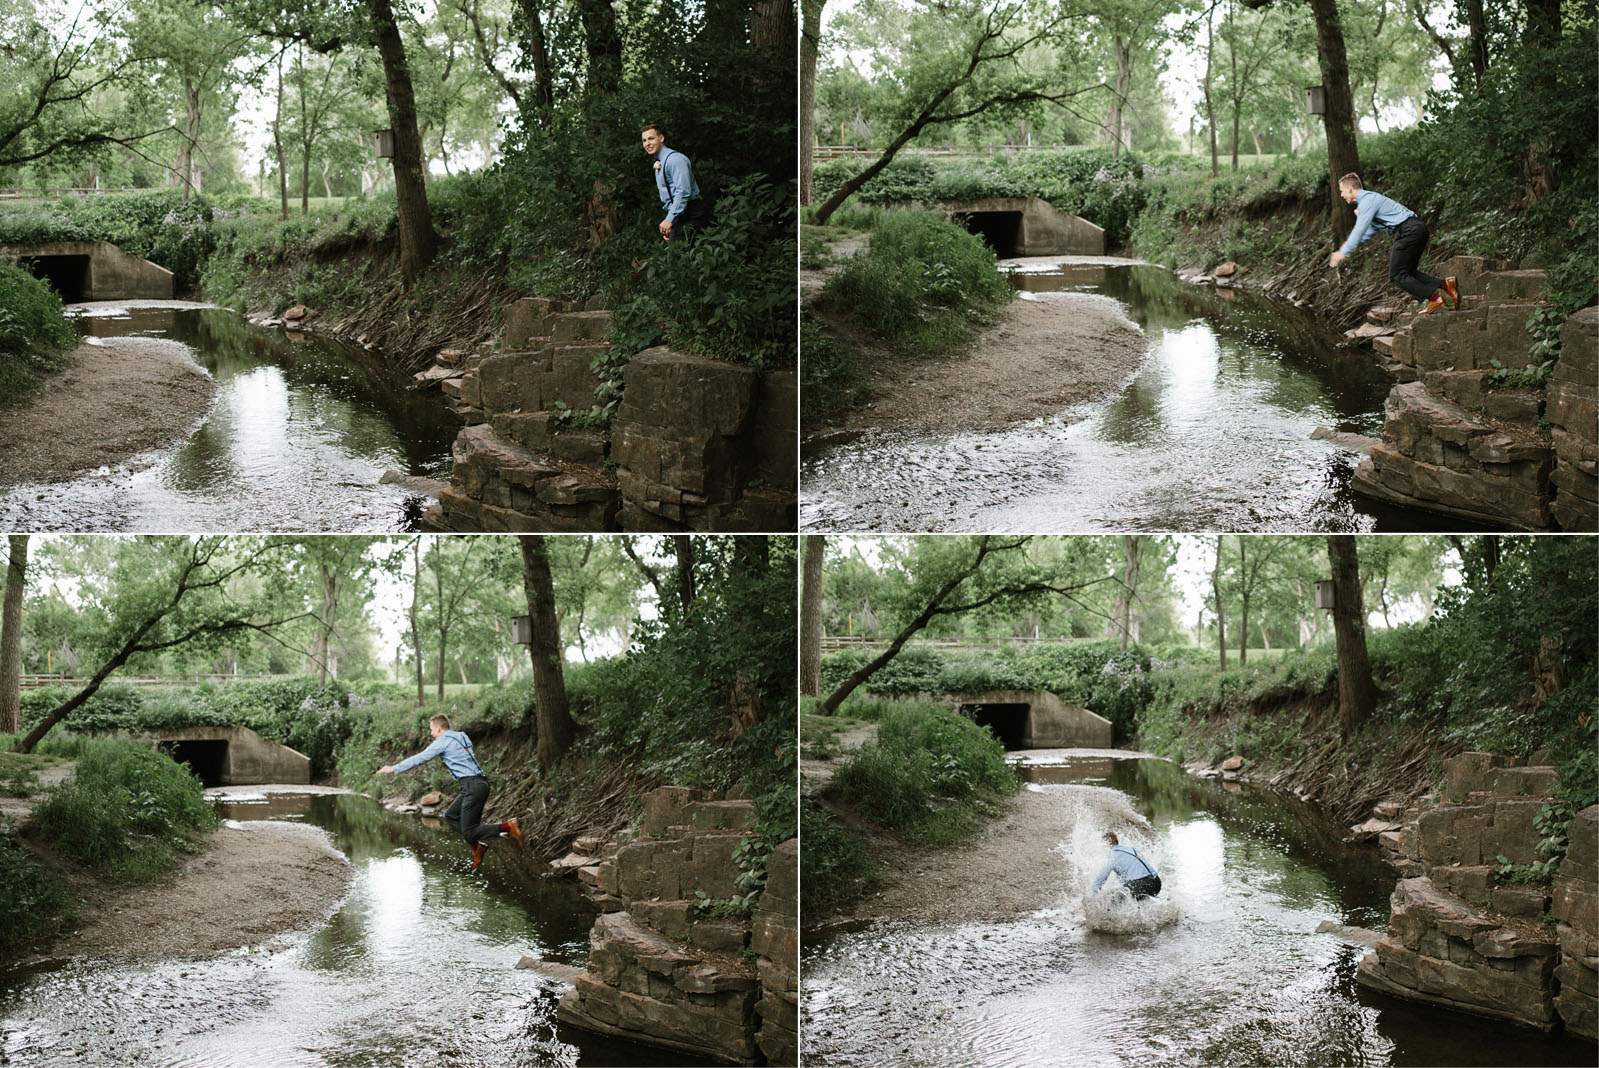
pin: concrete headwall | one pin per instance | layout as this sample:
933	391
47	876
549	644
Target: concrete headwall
107	273
1050	722
1043	230
248	759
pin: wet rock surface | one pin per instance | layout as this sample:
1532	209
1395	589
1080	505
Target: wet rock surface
1461	937
664	968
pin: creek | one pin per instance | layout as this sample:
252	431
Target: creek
415	968
300	432
1211	433
1241	978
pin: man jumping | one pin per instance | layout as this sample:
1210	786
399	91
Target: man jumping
1137	875
1374	211
466	811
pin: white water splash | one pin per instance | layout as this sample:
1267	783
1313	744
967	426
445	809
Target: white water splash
1112	909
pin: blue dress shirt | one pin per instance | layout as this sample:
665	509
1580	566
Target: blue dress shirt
674	179
1126	863
1373	211
454	747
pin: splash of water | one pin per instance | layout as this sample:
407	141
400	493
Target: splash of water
1112	910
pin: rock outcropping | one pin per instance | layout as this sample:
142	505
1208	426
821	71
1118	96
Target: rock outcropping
696	444
1460	938
664	968
1453	441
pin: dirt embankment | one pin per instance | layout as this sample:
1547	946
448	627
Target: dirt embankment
116	399
1040	357
252	884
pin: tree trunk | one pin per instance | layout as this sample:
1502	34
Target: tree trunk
811	617
683	545
1357	695
1221	620
416	623
417	239
11	636
1118	99
555	726
810	40
1342	154
543	88
1478	29
184	175
277	145
603	45
1210	107
1243	602
1129	590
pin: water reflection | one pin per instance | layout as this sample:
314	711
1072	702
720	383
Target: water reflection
1241	979
415	968
297	439
1213	433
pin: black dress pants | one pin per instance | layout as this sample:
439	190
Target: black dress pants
465	813
1410	241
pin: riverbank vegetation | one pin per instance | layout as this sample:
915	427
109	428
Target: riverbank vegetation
1481	125
1485	643
509	166
675	666
34	334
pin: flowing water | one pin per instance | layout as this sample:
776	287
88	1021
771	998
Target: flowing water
1211	433
416	968
296	440
1239	978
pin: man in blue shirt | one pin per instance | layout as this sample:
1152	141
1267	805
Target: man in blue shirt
674	180
1136	873
466	812
1373	212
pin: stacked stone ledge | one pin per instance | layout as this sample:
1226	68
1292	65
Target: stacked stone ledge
724	989
1575	908
1452	444
696	444
1573	414
1458	938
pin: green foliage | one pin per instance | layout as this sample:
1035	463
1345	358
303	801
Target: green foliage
126	810
830	374
922	284
929	773
33	902
835	864
34	334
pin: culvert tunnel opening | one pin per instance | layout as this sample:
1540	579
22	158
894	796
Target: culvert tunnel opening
67	275
208	759
1000	230
1007	722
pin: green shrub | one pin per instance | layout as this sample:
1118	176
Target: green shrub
929	773
33	902
830	373
34	333
922	284
127	809
835	864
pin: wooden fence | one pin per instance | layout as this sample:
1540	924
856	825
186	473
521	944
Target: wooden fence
34	682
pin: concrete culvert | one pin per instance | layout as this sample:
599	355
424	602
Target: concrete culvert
1007	722
208	759
1000	230
67	275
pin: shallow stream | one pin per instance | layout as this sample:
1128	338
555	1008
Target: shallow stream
301	431
416	968
1211	433
1241	978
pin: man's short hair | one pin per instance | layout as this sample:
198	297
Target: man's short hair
442	720
648	126
1110	836
1351	179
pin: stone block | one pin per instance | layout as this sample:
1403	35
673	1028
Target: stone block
776	429
1512	834
1514	285
529	318
512	381
666	807
1452	834
1537	781
1574	408
1473	884
1513	405
722	815
570	381
1471	772
1528	901
580	326
1582	851
579	446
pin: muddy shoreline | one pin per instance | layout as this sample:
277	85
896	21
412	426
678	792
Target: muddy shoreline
1043	355
116	401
